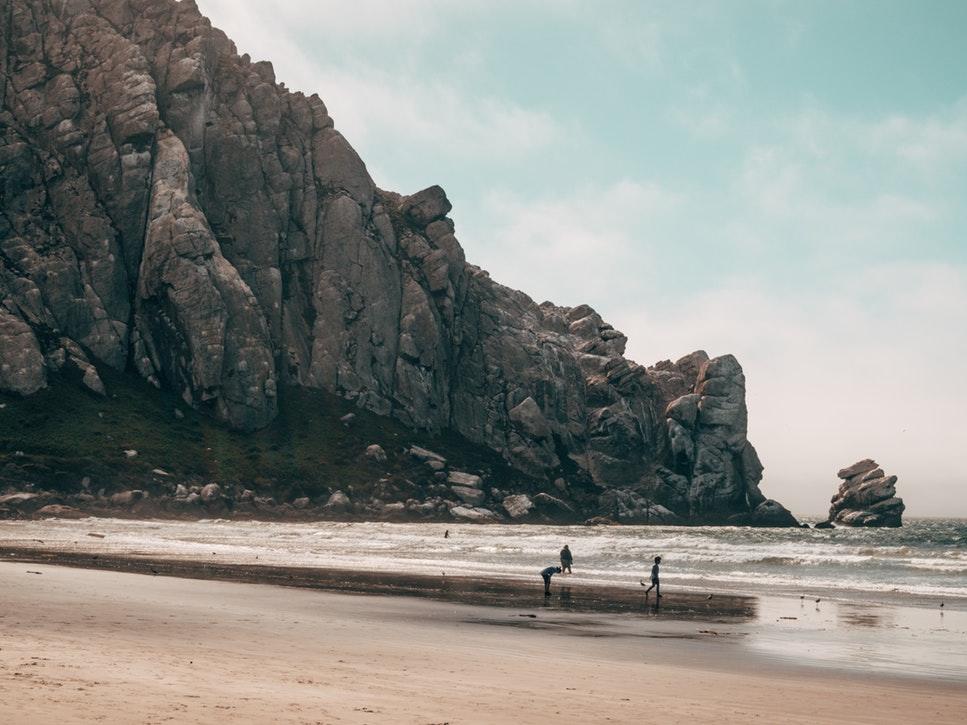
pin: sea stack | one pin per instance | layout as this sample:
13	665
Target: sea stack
866	497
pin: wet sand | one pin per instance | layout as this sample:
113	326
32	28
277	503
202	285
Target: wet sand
80	645
577	597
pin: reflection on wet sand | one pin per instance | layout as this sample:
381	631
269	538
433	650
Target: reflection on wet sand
466	590
857	615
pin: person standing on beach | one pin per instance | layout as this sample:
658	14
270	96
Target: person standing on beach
546	576
654	579
566	559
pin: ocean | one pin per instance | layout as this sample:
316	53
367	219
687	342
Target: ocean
919	564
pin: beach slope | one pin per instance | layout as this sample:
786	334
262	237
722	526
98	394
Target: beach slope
80	646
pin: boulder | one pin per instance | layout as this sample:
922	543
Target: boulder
600	521
375	452
425	455
22	500
211	492
472	496
474	514
459	478
517	506
426	206
866	497
393	510
553	508
338	503
769	513
59	511
867	464
126	498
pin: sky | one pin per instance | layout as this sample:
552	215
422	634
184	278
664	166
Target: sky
783	181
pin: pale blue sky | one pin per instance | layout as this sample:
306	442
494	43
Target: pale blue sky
780	180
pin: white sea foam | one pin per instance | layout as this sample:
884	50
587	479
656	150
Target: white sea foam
924	558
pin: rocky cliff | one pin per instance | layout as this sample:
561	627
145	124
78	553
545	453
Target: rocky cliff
169	208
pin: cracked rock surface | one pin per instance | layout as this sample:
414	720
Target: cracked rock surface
168	207
866	497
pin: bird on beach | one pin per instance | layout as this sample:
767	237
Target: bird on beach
941	605
708	597
818	601
154	571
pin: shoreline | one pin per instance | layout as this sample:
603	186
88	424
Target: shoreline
486	591
863	639
354	546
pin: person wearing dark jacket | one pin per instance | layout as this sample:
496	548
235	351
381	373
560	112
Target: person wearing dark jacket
546	575
654	579
566	559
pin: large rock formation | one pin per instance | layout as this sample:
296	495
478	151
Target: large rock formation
866	497
168	207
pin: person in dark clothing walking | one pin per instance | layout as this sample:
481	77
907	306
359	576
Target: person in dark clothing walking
546	576
654	579
566	559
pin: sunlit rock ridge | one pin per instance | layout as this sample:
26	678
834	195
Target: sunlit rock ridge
168	207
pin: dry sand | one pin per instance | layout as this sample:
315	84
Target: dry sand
99	646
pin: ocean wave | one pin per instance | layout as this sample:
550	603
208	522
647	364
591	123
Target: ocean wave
917	560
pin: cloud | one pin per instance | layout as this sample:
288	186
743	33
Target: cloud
404	109
569	248
705	124
817	194
359	21
938	140
375	106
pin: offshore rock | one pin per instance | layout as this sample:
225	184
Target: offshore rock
866	497
167	206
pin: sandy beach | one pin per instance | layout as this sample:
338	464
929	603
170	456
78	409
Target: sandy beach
83	645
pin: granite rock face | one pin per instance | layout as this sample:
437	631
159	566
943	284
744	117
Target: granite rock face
866	497
168	207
